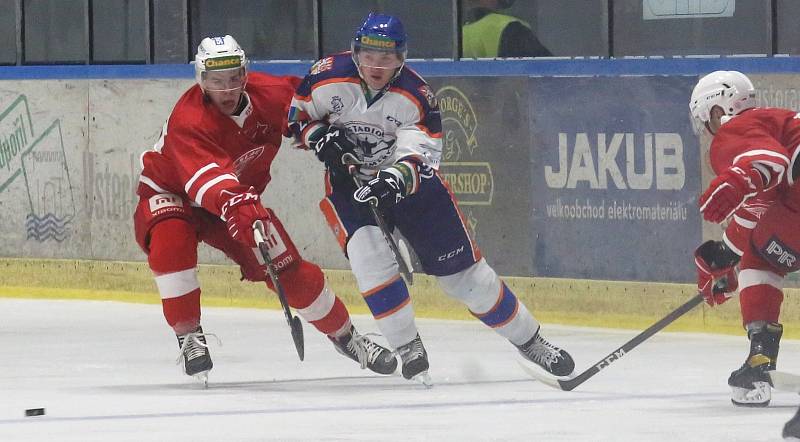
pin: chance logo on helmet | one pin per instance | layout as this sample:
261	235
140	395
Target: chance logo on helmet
219	54
381	33
377	42
213	64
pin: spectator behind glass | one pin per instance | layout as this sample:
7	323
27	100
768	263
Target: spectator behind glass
490	34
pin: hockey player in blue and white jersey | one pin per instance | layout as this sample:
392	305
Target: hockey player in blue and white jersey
365	105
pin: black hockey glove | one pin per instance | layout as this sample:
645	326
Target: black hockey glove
336	150
716	273
386	189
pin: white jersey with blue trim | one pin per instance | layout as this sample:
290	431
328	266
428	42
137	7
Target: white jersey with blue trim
400	122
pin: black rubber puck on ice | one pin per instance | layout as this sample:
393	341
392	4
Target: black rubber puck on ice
34	412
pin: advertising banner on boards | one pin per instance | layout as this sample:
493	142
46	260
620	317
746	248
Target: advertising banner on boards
485	159
615	168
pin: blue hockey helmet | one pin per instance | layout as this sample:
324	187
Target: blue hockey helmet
381	33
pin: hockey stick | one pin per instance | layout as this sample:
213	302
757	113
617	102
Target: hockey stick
570	384
402	264
785	381
294	321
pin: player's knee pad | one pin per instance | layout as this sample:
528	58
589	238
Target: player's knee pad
173	260
477	286
173	246
153	209
760	295
371	259
303	283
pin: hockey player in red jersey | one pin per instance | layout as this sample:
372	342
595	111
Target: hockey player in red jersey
754	156
203	180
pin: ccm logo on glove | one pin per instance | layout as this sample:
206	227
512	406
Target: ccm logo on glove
240	212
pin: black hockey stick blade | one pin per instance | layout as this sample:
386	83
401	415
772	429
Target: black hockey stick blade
572	383
297	337
294	322
401	259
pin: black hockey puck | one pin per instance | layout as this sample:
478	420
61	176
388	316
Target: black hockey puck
34	412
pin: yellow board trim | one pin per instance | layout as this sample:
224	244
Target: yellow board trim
607	304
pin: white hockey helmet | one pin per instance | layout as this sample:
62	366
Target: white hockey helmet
219	54
732	91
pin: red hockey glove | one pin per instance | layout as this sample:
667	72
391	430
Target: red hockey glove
240	212
716	277
729	190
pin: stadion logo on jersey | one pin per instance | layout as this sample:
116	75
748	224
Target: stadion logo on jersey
164	201
375	145
780	255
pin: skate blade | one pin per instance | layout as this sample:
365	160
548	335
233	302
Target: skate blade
423	378
540	374
758	397
202	377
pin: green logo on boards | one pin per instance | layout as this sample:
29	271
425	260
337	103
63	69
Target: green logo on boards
41	160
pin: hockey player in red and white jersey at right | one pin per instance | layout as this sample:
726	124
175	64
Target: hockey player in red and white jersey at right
754	156
203	182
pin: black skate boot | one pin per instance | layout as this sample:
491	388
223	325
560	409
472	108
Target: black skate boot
750	384
415	361
553	360
195	355
367	353
791	431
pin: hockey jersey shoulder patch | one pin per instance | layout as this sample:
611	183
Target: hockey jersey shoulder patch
428	94
322	65
337	67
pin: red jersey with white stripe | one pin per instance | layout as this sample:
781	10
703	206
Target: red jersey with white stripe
208	156
760	138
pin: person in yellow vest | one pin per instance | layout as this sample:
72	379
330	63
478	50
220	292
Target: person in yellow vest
491	34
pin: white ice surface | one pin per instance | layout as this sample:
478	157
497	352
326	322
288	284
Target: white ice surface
105	371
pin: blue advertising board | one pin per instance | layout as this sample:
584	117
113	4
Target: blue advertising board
615	178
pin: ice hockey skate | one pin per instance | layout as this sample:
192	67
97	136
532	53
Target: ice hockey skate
751	385
196	357
415	362
547	358
367	353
